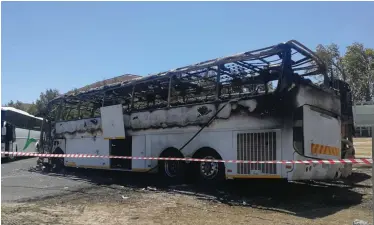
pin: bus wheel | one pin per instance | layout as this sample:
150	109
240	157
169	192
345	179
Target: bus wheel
210	172
57	163
172	170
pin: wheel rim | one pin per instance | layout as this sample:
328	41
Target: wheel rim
59	162
171	168
209	170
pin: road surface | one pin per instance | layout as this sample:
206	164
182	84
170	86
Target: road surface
83	197
18	182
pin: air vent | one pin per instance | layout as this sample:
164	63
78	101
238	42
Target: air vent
257	147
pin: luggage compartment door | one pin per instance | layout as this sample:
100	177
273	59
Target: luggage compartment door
112	122
322	134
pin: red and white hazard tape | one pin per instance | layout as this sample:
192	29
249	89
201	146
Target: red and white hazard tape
325	161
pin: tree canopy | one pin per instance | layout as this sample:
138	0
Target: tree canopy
356	67
39	105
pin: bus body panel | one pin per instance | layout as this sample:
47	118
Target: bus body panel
321	134
24	129
224	140
238	136
139	149
256	122
26	140
87	145
112	122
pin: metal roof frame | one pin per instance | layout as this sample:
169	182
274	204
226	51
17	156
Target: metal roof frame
251	64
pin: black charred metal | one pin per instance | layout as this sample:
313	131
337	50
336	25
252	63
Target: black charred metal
247	75
346	102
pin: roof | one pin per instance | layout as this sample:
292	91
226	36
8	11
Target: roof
5	108
118	79
263	57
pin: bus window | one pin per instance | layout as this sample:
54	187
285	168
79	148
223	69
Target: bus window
9	135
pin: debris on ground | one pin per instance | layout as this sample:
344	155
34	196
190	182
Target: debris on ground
151	188
360	222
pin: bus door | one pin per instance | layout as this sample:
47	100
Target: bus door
7	137
3	138
113	127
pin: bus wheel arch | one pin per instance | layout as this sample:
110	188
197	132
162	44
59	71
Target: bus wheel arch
208	171
171	169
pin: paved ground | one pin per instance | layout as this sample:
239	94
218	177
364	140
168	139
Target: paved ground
18	182
363	147
103	197
80	197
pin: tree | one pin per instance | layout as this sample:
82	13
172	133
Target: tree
44	98
359	64
10	104
18	105
330	54
356	67
37	107
32	109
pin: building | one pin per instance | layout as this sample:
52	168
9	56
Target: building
363	118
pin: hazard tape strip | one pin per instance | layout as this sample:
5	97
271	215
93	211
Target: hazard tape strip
325	161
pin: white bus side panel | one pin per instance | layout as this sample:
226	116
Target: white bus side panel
138	150
323	130
21	144
96	146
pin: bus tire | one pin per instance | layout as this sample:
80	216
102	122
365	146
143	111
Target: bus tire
208	172
57	164
171	170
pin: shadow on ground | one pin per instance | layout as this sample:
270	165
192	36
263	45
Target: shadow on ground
303	199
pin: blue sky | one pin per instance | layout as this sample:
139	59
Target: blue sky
67	45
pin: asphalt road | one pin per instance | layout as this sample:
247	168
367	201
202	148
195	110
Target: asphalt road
18	182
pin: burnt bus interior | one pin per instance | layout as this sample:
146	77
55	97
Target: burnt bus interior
268	70
266	74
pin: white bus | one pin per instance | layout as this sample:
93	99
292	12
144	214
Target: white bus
257	105
20	131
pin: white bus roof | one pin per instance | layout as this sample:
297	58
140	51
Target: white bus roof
5	108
